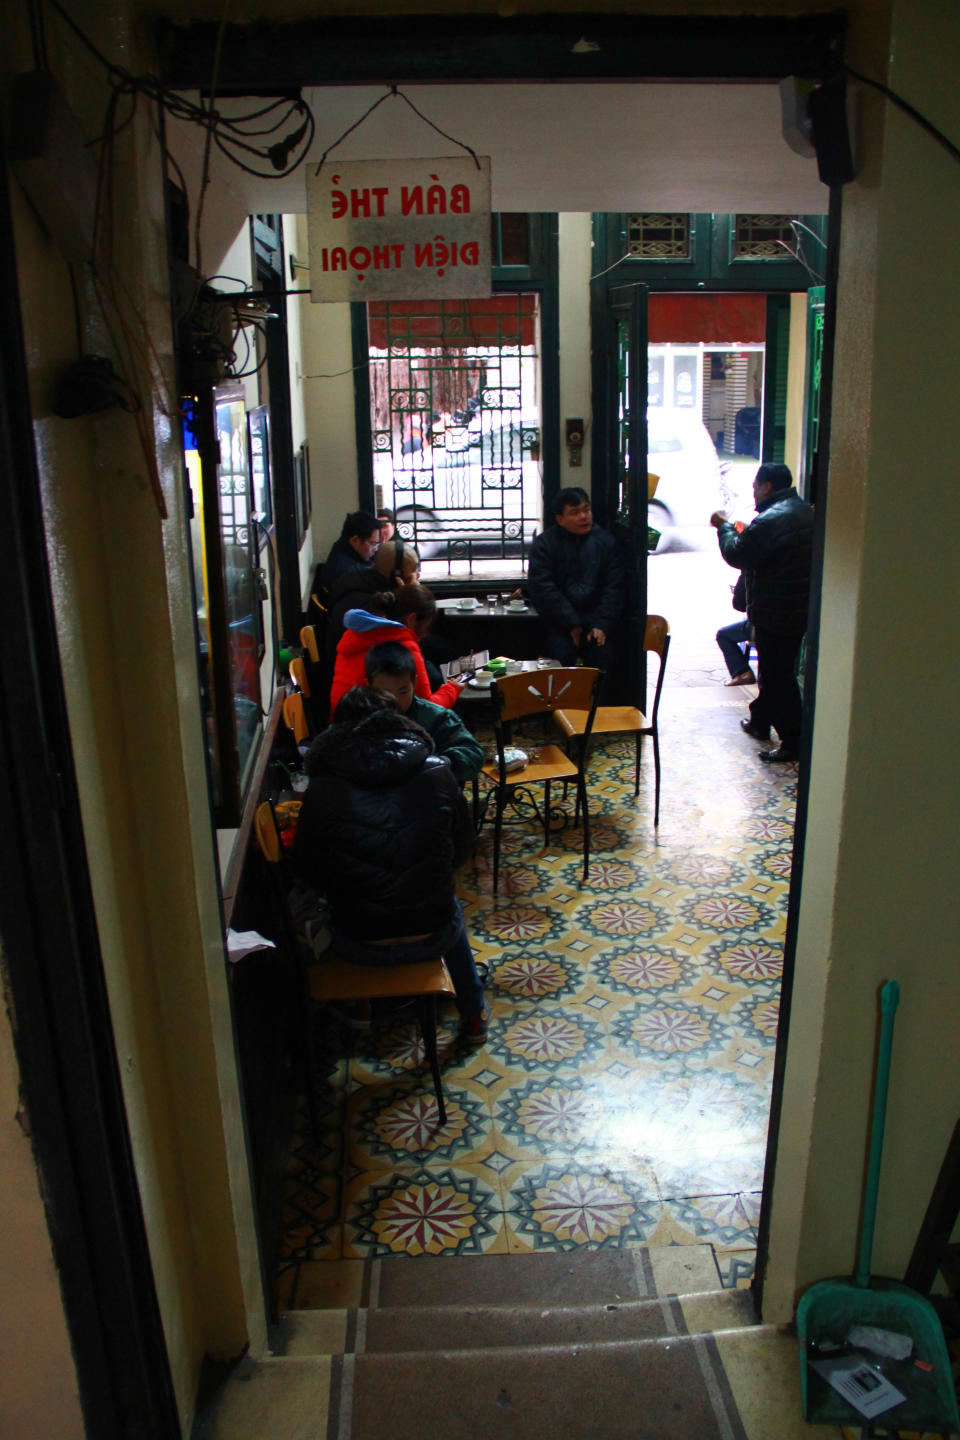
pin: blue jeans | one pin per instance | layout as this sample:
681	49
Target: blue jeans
734	642
451	943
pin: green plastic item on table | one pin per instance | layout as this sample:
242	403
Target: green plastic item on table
284	656
498	666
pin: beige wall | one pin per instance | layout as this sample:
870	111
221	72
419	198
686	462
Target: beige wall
122	599
880	892
576	257
37	1376
325	392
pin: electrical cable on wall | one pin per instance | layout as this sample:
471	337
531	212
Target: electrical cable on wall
907	108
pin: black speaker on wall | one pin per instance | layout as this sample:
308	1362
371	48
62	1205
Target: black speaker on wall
827	111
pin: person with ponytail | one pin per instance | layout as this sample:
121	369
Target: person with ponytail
404	615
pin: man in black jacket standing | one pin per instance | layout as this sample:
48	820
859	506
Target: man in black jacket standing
774	553
576	581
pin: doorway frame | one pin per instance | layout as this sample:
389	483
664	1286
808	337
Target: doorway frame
479	49
328	50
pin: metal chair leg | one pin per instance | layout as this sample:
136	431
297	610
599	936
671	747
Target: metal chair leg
427	1005
636	767
656	768
582	788
497	827
546	814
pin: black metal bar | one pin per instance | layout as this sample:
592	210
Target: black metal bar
333	50
64	1036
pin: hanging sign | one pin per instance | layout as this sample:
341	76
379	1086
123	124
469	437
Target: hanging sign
400	229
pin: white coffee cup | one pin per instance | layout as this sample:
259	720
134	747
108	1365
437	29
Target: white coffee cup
467	602
518	605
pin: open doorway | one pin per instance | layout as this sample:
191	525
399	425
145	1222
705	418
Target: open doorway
708	868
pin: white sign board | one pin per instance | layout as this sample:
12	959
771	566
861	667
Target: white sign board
400	229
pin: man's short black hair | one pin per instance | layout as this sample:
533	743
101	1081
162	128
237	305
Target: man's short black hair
572	495
359	523
776	475
389	658
384	514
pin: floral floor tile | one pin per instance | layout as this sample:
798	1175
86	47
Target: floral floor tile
622	1096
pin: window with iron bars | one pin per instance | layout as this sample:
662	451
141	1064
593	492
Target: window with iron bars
455	421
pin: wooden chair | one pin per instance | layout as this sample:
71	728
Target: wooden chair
317	670
298	674
540	692
308	639
333	981
338	981
626	719
295	717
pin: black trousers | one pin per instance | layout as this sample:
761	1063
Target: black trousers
778	702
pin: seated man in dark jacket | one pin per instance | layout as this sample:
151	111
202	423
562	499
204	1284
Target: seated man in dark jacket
353	550
774	553
576	581
383	830
394	564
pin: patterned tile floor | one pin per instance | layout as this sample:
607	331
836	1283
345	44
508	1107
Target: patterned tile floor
623	1093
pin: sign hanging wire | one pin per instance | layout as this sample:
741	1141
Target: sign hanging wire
400	96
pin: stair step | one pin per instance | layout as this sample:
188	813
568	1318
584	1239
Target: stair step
578	1277
663	1389
475	1327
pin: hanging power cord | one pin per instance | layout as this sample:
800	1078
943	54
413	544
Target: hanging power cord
260	142
908	109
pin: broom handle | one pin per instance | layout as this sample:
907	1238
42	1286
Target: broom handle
889	1000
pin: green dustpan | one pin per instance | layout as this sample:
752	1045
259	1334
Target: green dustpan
828	1309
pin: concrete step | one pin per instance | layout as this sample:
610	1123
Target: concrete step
511	1324
740	1384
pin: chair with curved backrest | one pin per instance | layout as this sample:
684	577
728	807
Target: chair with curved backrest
298	674
333	981
627	719
308	639
540	692
317	671
295	717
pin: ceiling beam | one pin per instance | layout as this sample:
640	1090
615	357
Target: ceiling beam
368	49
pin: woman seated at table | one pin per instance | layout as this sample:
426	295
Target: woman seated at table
390	667
404	615
383	830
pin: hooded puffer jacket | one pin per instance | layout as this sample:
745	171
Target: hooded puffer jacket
774	553
383	829
361	632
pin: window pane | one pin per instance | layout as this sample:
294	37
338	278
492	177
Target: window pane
240	586
455	424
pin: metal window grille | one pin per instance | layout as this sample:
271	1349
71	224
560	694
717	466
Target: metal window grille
455	426
658	236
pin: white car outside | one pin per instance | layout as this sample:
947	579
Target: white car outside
681	452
